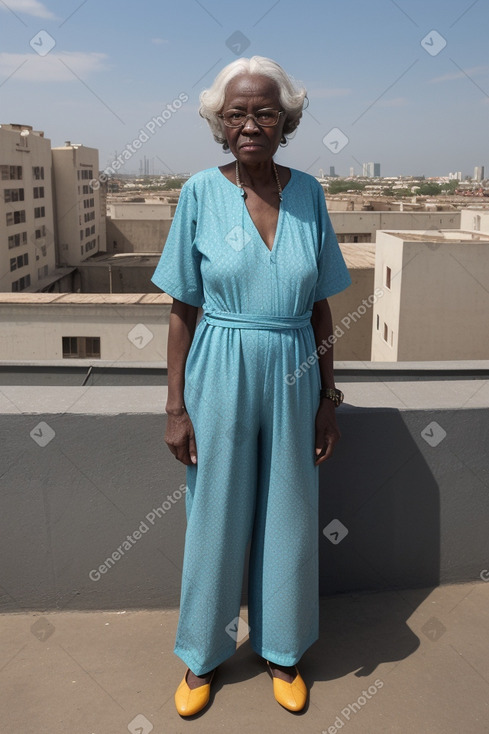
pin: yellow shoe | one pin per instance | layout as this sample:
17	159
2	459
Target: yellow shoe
292	696
190	701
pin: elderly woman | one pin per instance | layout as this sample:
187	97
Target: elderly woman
251	394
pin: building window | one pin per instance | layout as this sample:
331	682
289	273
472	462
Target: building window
19	262
15	217
42	272
388	275
39	211
21	284
11	173
15	240
41	232
386	332
38	192
81	347
11	195
38	173
378	322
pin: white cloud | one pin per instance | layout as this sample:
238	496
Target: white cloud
326	93
50	68
460	74
28	7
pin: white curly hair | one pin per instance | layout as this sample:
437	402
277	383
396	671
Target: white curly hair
291	97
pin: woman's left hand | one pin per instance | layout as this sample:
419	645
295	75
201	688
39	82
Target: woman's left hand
327	431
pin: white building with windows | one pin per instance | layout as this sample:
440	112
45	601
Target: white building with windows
475	218
27	245
79	209
432	295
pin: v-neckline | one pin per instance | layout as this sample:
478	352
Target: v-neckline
279	218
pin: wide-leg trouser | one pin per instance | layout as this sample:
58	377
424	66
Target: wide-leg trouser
255	480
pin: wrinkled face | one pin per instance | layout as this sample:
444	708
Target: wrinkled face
251	143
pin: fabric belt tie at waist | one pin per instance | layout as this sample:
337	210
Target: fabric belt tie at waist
256	321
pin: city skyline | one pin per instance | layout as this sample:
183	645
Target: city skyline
405	84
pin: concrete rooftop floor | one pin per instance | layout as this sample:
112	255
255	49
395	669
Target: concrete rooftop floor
422	656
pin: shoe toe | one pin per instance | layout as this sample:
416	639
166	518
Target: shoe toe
293	695
189	701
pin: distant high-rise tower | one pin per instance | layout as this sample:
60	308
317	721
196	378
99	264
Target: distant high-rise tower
331	171
352	171
478	173
371	170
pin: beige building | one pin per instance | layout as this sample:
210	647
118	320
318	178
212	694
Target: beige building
129	327
79	206
475	219
433	296
358	226
27	245
140	227
351	309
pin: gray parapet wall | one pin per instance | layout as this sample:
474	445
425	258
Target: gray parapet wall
93	503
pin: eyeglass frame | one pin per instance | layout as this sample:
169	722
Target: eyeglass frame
242	124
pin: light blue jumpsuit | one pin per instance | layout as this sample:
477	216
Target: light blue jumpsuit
255	477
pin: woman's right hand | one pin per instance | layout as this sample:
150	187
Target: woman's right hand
180	437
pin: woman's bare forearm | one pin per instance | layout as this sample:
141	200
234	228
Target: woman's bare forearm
180	334
322	323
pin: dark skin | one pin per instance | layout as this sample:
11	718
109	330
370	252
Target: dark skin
247	92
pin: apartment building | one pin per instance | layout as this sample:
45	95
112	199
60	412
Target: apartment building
432	296
79	207
475	219
27	244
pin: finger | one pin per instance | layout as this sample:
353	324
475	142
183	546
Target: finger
326	451
320	455
180	452
192	449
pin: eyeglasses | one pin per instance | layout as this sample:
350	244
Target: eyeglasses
263	118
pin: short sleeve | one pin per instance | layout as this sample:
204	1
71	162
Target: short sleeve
178	270
333	275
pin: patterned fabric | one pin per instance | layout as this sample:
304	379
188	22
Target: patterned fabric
255	478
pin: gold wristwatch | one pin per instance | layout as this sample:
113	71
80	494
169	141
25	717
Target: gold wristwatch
332	393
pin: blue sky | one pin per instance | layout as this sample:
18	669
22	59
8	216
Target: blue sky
415	108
